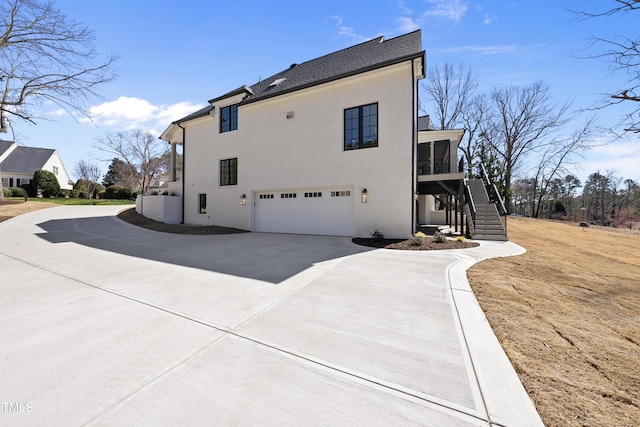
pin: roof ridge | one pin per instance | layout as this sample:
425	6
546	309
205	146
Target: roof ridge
381	39
359	58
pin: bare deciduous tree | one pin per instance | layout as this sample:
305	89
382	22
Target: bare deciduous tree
473	117
450	90
553	159
45	56
623	54
147	155
90	172
523	119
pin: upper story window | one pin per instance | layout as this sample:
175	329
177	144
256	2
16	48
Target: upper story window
229	172
361	127
229	118
55	170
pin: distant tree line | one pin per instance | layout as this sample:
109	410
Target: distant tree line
606	199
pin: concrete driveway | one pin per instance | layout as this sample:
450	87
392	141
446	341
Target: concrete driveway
104	323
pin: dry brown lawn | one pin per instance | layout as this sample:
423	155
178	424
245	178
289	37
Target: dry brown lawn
9	209
568	316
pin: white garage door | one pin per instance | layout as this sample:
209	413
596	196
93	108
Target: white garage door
309	211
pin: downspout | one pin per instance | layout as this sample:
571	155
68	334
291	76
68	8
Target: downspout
414	146
184	163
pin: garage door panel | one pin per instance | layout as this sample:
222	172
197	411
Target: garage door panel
305	212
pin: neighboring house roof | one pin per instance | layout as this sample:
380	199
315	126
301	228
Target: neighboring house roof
26	159
4	146
370	55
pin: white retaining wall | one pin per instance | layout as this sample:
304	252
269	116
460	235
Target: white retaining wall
166	209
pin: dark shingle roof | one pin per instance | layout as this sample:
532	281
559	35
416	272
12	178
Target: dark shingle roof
26	159
200	113
376	53
370	55
4	146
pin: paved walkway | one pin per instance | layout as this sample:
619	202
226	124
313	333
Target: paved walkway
103	323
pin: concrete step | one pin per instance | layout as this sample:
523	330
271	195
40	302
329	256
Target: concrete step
495	237
496	224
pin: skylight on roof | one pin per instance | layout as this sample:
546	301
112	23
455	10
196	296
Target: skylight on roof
276	82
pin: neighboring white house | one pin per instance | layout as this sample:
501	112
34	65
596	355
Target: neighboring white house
325	147
18	163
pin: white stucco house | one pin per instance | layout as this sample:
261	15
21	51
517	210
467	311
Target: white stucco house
18	163
329	146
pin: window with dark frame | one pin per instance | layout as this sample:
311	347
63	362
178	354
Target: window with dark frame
229	172
361	127
228	118
202	203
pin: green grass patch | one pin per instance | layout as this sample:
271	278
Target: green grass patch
75	201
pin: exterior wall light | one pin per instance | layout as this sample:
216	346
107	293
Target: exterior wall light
364	196
243	199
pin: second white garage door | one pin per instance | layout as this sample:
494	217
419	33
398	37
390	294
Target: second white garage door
309	211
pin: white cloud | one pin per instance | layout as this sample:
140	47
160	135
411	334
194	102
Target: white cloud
484	50
488	19
621	156
343	30
406	24
403	7
130	113
451	10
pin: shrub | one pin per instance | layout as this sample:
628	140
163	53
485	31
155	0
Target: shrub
46	181
7	192
29	189
81	185
461	239
18	192
438	237
117	192
377	235
418	238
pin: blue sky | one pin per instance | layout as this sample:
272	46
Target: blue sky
177	55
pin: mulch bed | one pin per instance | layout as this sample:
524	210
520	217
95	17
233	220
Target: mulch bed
428	244
132	217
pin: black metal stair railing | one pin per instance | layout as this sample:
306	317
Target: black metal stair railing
470	210
492	190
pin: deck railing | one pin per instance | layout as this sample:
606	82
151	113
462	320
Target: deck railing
441	165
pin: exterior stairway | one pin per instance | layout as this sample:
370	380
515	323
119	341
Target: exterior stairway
487	224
